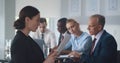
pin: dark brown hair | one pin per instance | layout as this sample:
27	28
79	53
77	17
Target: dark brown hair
27	11
42	20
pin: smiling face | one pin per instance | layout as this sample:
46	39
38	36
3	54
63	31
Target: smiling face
33	23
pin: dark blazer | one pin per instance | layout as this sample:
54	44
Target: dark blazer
25	50
105	50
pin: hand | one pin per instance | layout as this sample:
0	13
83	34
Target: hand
51	58
76	55
54	49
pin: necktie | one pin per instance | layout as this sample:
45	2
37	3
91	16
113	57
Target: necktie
42	36
60	39
93	44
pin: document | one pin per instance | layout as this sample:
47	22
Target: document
65	56
64	42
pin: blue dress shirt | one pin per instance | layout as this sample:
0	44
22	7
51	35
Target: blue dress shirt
81	44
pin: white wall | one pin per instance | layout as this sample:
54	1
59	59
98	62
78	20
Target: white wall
2	28
6	23
48	8
9	19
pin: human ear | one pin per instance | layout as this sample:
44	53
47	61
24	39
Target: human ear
27	19
100	27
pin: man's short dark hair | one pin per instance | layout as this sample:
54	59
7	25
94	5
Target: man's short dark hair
42	20
62	20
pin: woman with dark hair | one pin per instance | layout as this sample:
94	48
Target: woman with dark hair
23	48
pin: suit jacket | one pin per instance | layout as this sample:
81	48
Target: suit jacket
59	42
105	51
25	50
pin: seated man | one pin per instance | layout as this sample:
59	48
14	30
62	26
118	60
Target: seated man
104	47
61	26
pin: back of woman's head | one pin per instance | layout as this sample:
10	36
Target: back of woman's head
27	11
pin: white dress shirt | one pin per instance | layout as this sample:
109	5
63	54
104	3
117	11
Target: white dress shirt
49	37
98	38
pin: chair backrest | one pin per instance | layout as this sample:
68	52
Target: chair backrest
118	56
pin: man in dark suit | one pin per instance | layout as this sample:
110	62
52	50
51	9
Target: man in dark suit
104	47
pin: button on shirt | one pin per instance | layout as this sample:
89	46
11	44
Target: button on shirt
81	43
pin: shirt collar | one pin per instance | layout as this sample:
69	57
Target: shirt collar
77	37
99	34
46	30
63	34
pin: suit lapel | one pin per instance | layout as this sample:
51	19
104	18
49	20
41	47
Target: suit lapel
98	45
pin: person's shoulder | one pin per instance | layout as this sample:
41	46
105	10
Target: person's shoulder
107	38
86	34
18	40
106	34
19	35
